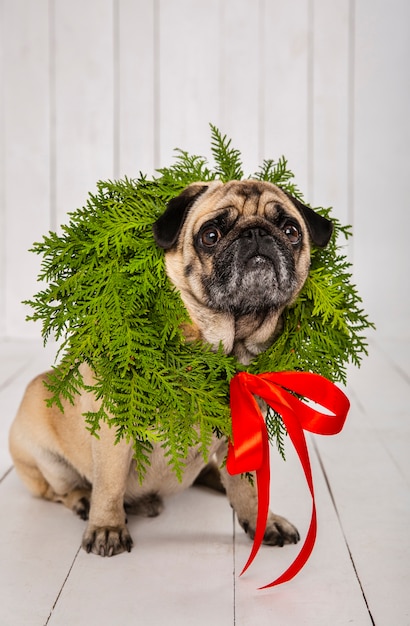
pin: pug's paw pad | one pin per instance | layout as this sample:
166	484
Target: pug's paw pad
107	540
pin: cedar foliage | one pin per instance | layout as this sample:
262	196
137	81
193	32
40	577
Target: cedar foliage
110	304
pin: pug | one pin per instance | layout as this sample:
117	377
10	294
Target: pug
238	253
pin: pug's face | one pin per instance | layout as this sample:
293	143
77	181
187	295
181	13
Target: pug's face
238	251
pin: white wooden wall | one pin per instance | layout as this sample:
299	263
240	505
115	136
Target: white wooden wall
95	89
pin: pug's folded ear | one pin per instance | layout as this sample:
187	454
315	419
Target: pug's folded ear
319	227
169	224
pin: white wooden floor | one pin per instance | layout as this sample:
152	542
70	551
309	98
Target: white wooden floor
184	567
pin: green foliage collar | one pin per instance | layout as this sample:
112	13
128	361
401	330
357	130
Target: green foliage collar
110	303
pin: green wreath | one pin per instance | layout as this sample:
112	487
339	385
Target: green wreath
110	304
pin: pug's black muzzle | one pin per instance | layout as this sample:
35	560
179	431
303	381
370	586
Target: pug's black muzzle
254	273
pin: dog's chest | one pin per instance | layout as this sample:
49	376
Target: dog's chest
160	478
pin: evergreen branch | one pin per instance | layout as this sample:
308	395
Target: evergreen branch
278	174
276	431
228	160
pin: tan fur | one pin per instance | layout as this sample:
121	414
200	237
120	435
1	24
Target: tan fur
59	460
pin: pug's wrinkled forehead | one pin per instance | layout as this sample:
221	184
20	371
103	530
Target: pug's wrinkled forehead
245	198
199	201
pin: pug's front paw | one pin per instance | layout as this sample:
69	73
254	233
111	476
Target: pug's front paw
278	531
107	540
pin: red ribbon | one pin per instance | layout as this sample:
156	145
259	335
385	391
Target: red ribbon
249	449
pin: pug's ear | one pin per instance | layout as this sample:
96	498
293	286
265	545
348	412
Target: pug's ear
319	227
168	225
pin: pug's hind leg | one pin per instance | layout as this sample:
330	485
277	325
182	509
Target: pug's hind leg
78	500
52	478
33	478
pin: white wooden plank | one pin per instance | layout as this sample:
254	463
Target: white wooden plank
189	97
382	161
14	356
394	437
385	406
240	78
38	543
373	500
180	569
3	235
84	103
318	594
284	88
377	386
26	151
135	76
397	352
330	128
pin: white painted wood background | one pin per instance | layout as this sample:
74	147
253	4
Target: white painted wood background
95	89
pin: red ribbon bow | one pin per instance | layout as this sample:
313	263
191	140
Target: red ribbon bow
249	450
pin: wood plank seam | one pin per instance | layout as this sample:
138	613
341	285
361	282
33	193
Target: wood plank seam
333	500
63	585
6	473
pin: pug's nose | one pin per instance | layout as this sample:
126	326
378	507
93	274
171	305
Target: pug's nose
254	233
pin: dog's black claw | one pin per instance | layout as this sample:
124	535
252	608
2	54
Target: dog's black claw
88	545
278	538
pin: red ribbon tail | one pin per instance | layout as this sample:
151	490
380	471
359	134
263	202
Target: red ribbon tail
263	486
302	557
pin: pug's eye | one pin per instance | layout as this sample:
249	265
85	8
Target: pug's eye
292	232
210	236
